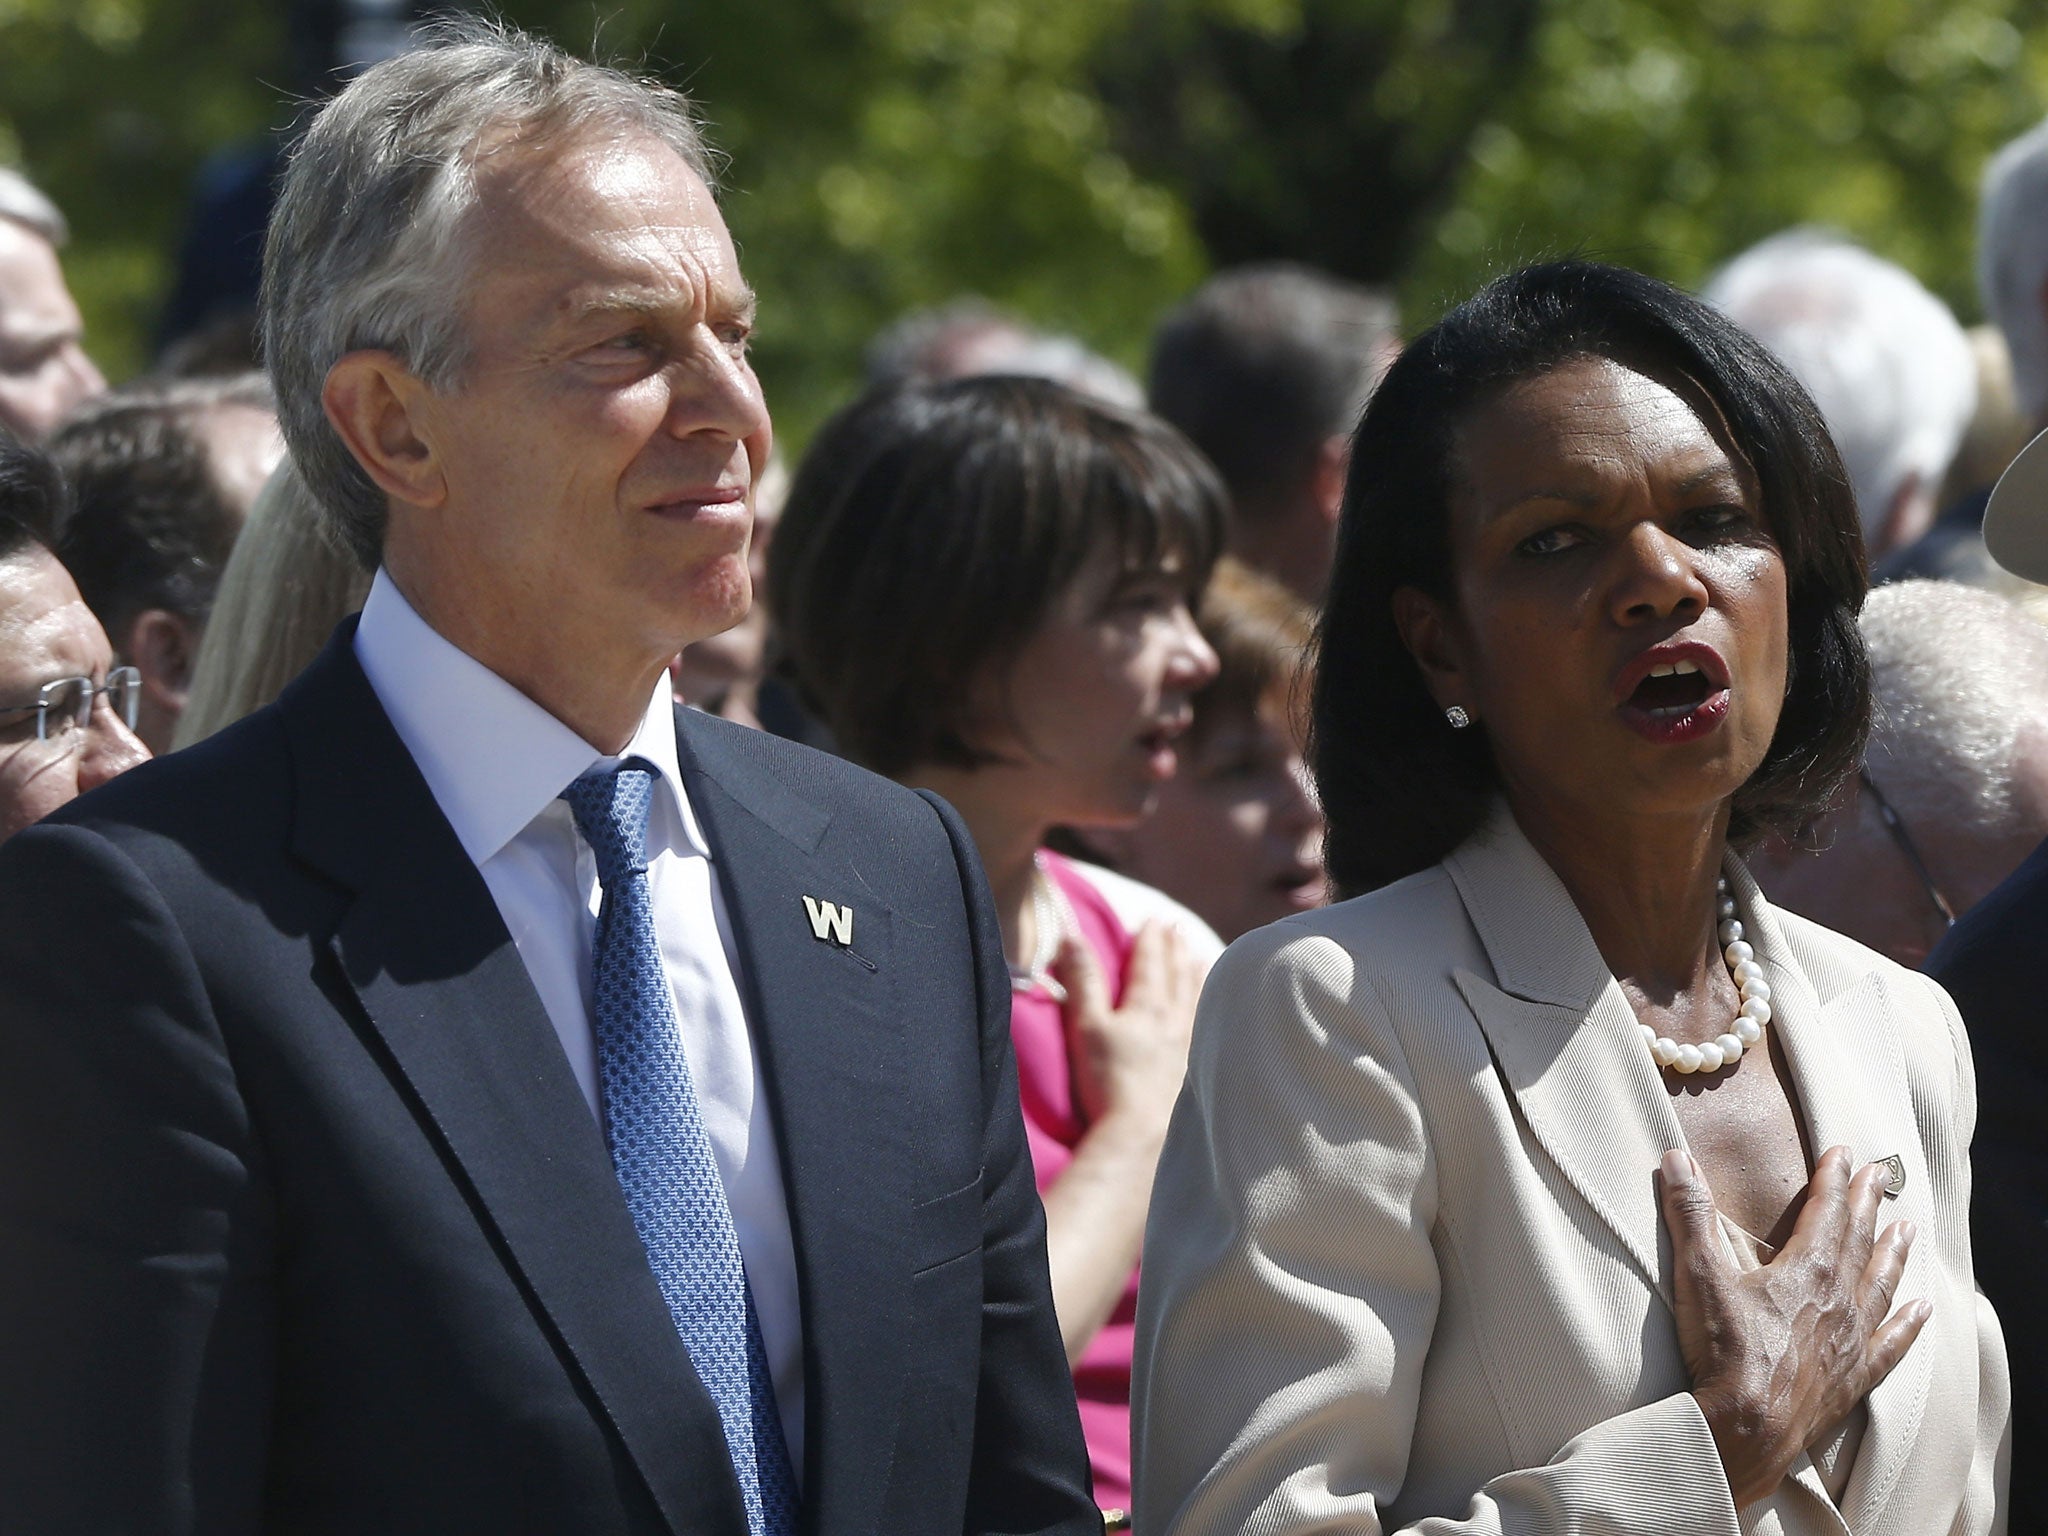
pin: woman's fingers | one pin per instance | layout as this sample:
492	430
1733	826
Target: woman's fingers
1075	967
1866	1190
1879	1281
1889	1344
1694	1222
1821	1227
1151	979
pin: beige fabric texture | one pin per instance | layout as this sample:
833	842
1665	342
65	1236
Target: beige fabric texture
1406	1268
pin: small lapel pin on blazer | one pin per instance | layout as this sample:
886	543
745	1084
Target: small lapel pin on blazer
830	922
1895	1167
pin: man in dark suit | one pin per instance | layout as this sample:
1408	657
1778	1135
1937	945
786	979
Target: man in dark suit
470	1095
1990	962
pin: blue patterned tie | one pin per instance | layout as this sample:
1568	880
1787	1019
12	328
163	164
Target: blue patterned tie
662	1154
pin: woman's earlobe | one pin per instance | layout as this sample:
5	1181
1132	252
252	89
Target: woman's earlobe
1426	632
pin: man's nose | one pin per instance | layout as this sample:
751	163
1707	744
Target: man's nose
717	392
110	748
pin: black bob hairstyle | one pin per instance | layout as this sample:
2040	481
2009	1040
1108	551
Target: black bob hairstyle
1401	789
931	527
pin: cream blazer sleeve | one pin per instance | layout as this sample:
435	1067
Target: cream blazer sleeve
1293	1275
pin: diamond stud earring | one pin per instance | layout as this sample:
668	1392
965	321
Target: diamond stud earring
1457	716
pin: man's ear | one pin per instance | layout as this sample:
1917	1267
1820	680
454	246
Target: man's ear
1428	631
163	646
378	406
1911	514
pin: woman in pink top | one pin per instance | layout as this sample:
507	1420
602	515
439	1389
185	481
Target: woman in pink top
983	586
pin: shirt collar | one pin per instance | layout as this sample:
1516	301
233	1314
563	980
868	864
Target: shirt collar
493	758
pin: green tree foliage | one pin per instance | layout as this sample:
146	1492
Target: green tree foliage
888	154
1085	161
1328	131
110	105
1672	134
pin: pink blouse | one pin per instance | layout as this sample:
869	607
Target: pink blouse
1052	1124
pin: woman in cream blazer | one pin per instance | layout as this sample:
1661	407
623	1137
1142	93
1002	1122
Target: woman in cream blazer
1441	1237
1406	1260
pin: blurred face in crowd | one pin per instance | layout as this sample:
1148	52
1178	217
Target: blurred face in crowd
1864	882
589	487
1237	834
44	372
1620	620
1088	715
47	633
243	446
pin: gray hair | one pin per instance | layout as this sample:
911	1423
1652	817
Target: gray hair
1264	364
1884	359
970	336
364	249
2012	260
23	202
1957	677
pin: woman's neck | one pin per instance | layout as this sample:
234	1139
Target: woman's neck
1007	838
1645	886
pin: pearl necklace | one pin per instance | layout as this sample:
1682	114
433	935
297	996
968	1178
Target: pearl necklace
1749	1024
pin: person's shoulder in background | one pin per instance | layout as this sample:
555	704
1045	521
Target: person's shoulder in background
1136	904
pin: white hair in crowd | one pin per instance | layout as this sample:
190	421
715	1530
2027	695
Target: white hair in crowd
364	249
2012	261
1884	359
1959	676
21	201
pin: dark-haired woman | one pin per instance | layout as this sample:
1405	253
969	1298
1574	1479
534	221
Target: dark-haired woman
1556	1182
983	586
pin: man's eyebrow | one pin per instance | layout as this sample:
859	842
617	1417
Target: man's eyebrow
727	301
738	300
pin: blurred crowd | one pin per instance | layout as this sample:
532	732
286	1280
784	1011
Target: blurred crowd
1081	606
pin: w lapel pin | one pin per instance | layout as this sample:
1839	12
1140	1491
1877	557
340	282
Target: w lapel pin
830	922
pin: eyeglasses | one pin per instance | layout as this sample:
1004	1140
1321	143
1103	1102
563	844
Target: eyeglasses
1895	825
65	704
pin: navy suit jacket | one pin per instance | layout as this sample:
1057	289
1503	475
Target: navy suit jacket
306	1227
1991	964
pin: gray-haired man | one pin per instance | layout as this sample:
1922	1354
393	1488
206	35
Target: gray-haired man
498	1102
44	372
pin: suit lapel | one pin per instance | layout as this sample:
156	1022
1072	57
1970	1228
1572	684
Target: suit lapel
1565	1039
832	1056
1569	1046
1848	1063
449	1000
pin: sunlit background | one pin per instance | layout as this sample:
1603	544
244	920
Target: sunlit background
1087	161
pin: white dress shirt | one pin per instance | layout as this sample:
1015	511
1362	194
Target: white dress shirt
497	763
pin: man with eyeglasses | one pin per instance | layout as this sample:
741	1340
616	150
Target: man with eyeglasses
67	714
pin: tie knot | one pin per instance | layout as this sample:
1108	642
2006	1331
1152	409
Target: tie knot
611	813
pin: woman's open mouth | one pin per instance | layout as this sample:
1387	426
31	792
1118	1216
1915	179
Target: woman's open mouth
1675	702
